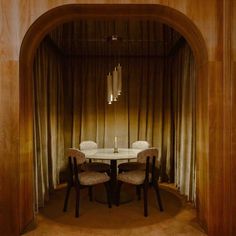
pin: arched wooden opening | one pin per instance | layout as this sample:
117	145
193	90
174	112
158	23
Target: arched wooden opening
66	13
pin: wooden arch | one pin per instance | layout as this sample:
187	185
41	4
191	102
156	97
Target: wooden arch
65	13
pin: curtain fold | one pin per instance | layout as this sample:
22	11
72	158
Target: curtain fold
183	80
132	117
48	121
157	104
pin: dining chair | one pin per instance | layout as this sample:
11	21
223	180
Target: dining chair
93	166
78	178
143	177
128	166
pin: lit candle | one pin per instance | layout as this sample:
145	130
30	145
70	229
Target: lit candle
115	143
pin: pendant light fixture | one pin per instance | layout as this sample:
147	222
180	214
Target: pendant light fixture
114	80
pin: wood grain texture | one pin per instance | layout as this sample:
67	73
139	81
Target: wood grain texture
205	19
227	120
9	37
214	108
177	20
233	153
26	175
9	148
216	160
233	114
233	29
202	146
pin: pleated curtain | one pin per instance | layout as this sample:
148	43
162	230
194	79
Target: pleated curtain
48	121
157	104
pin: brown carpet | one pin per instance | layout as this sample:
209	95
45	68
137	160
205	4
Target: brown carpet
97	219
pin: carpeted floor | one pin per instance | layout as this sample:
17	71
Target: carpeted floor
178	218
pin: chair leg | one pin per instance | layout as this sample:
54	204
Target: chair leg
145	196
138	191
90	192
66	198
119	183
155	185
77	202
108	172
108	190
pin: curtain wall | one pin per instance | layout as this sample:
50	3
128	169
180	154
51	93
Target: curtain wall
48	120
157	104
183	131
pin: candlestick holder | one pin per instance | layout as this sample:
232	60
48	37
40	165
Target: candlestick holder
116	150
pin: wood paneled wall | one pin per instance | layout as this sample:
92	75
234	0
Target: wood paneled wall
232	70
216	131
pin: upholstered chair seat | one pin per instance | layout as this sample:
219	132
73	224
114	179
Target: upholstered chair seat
143	178
135	177
93	166
89	178
129	166
96	166
78	178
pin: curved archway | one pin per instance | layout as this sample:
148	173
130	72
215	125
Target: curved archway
66	13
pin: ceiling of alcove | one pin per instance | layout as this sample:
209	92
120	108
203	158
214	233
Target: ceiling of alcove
138	38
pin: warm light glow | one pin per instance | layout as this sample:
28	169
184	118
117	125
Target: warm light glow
119	70
115	145
114	84
109	89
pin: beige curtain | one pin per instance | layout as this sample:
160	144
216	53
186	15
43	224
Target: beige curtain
183	97
132	117
157	104
48	121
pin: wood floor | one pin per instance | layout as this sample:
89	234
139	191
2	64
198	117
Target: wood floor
178	218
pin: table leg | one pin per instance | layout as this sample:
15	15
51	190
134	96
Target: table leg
124	197
113	178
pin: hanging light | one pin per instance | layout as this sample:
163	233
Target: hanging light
109	89
119	69
114	84
114	81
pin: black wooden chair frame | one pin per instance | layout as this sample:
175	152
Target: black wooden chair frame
73	181
145	185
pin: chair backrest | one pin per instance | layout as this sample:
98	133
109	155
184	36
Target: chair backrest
87	145
73	153
140	144
149	156
149	152
77	154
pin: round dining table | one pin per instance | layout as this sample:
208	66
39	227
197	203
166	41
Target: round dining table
113	157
